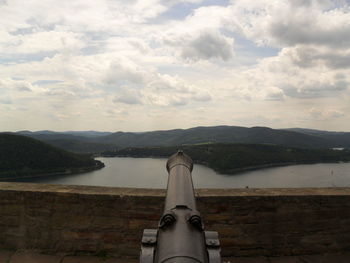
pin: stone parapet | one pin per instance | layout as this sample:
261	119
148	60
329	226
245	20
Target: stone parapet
251	222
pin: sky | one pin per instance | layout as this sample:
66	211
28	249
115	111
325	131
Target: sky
113	65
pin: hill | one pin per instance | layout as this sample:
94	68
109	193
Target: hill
67	133
234	158
21	156
217	134
301	138
340	139
78	146
78	142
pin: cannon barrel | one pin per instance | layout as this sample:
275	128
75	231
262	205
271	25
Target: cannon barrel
180	191
180	237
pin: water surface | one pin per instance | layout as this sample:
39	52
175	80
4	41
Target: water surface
151	173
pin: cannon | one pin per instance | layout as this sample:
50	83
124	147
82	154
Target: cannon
180	237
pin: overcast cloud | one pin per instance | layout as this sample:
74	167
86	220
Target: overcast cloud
152	64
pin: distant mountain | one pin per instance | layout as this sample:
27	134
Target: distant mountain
313	131
338	139
79	146
49	135
88	133
96	142
79	142
66	133
217	134
21	156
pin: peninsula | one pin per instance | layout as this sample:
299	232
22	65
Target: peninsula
21	157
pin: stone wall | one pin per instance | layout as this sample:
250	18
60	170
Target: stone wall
270	222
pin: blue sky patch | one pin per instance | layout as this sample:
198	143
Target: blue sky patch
247	46
44	82
23	58
182	10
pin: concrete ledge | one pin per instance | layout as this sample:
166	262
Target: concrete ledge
123	191
80	189
35	257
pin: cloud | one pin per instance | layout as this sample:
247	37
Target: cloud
281	23
178	101
80	15
313	56
5	101
310	25
39	42
202	97
60	93
116	113
124	72
16	85
43	82
128	96
274	94
325	114
100	58
315	89
135	85
208	45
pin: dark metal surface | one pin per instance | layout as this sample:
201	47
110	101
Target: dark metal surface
148	245
213	246
180	237
180	189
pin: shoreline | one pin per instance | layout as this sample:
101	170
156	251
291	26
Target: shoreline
67	171
234	171
265	166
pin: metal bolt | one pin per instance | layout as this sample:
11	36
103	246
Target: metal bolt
169	219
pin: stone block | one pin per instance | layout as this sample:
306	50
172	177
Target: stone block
245	219
285	260
246	260
144	215
82	259
85	235
237	242
139	224
32	257
121	260
227	230
343	257
10	220
109	223
218	218
11	209
5	256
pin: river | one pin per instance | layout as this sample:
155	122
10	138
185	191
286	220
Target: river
151	173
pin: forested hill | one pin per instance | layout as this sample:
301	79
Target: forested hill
217	134
95	142
21	156
234	158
